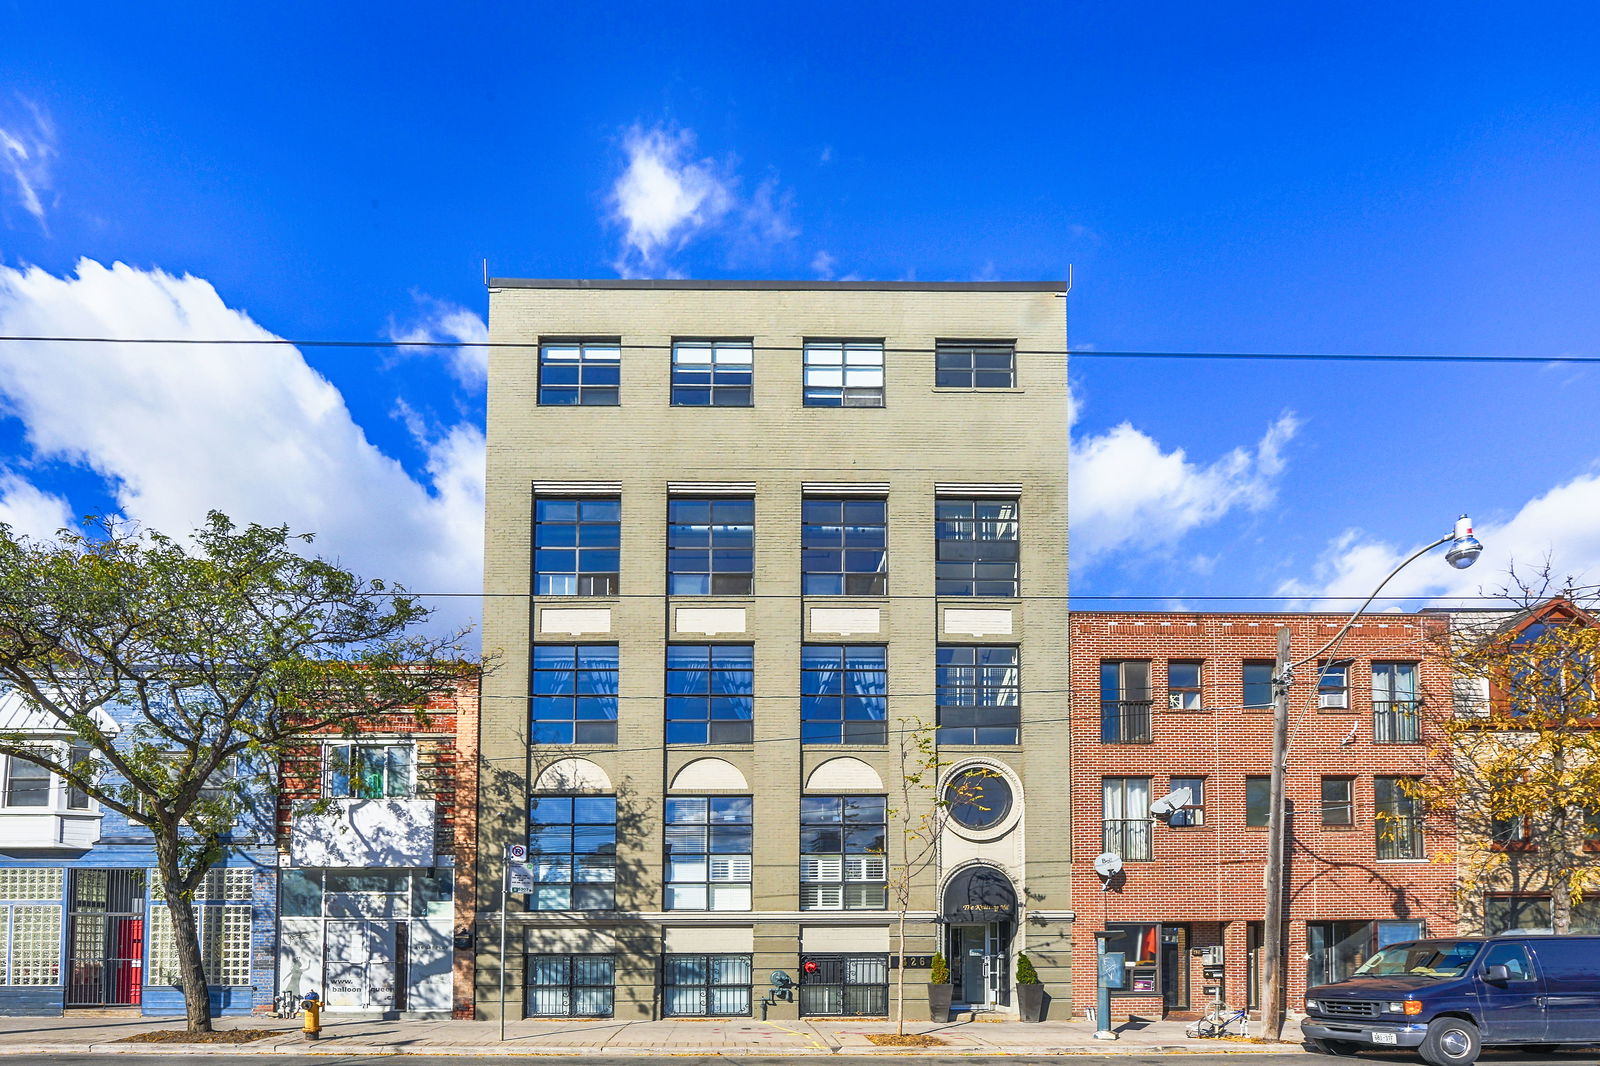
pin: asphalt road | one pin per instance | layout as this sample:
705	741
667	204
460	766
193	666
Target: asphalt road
1585	1057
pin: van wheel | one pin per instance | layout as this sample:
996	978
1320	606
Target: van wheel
1334	1047
1450	1042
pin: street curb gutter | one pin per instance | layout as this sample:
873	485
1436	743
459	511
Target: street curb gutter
546	1051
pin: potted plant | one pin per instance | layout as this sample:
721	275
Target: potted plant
1030	993
939	990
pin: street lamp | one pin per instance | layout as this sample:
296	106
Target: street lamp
1464	551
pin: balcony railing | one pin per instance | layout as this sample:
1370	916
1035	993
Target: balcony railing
1127	837
1399	835
1396	722
1125	722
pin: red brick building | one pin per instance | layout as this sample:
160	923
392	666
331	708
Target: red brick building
1165	702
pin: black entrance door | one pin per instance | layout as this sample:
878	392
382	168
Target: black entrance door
105	938
1174	973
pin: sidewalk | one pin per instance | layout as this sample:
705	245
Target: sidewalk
603	1037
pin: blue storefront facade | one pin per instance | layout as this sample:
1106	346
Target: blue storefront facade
83	919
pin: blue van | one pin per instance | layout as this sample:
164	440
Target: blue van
1451	996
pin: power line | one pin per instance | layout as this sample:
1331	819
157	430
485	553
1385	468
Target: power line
1082	353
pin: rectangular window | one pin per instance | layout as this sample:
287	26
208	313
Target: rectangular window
1335	949
1257	801
77	798
1333	686
574	694
1125	817
356	770
30	925
224	944
1513	832
975	365
976	547
834	986
1139	943
1395	816
570	986
572	847
1183	685
705	986
978	694
1396	712
712	373
1338	801
1193	812
27	785
1516	914
844	547
1258	684
710	693
586	373
710	546
843	853
576	546
844	693
844	374
1125	702
709	840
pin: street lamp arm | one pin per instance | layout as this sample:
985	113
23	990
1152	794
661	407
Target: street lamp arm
1348	622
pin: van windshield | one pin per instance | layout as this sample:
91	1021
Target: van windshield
1438	959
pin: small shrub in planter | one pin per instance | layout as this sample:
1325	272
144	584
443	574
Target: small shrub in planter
939	990
1030	993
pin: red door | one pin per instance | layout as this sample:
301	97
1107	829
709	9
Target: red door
129	961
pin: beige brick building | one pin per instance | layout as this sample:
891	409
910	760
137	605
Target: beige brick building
739	534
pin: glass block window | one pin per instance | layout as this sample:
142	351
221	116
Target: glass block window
705	986
586	373
979	694
844	547
34	883
710	546
221	883
710	693
572	846
576	546
224	945
844	693
976	547
30	943
574	694
975	365
712	373
570	986
368	771
844	373
843	853
708	843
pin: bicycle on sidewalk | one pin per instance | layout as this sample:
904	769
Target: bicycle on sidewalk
1220	1021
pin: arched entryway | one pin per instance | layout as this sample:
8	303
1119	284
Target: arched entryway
979	911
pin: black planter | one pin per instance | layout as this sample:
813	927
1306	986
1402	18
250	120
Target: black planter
938	1003
1030	1002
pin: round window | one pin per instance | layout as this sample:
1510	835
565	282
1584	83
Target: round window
979	798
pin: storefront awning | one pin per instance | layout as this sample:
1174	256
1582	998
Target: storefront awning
980	894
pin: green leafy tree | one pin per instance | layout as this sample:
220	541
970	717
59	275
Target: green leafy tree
1518	767
167	678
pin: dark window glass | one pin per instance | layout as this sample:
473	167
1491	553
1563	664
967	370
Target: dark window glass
710	693
975	365
1395	817
833	986
977	547
709	840
1125	702
1193	812
843	853
979	694
572	847
1514	914
1333	685
1183	685
1338	801
574	694
575	546
570	986
712	373
705	986
844	547
77	798
844	374
843	693
1257	801
27	785
579	372
978	798
1258	684
710	546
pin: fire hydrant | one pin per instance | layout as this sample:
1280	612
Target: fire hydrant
312	1027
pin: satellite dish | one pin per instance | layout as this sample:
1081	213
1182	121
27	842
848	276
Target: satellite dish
1107	864
1170	802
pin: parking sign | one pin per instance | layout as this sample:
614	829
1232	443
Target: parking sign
517	853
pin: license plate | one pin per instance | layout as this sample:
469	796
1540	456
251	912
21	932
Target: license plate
1383	1038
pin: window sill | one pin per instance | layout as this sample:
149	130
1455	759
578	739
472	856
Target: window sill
1337	710
1182	710
1339	828
968	389
1190	828
1420	861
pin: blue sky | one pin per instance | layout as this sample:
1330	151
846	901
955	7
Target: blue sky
1223	177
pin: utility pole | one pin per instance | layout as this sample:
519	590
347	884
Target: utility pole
1272	927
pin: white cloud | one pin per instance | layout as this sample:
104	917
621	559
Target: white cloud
1129	493
440	320
1560	527
665	198
176	430
27	156
30	511
823	264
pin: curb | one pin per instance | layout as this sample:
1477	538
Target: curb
329	1048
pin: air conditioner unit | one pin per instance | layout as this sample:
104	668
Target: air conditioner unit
1339	700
